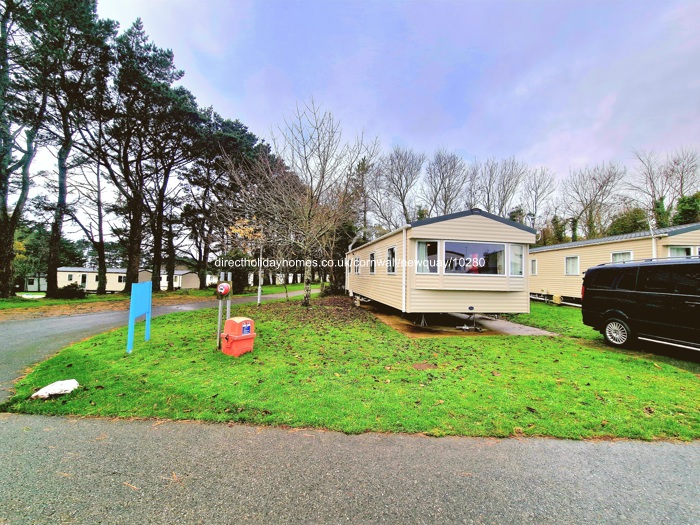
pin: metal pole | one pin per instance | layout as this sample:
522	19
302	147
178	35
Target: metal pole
218	327
260	276
228	297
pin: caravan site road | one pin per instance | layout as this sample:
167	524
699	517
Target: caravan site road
85	470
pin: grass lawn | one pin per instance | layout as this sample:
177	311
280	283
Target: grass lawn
20	302
564	320
337	367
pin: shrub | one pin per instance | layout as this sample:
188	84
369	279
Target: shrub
71	291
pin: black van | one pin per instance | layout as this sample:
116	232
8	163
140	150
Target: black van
653	300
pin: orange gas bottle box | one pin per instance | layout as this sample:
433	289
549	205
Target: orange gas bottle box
238	337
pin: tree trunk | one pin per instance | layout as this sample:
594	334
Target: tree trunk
7	255
157	254
8	222
170	262
101	266
202	267
57	226
307	286
135	239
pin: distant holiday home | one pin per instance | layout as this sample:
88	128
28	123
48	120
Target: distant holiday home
470	261
35	283
86	278
182	279
557	271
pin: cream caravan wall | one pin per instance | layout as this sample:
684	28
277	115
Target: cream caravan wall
75	275
381	286
472	228
689	239
551	278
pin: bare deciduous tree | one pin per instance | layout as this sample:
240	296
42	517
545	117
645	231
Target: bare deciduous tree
659	184
499	184
305	191
472	185
397	179
682	168
444	182
538	186
590	195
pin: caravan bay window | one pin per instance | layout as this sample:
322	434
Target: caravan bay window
475	258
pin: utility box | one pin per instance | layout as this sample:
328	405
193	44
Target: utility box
238	337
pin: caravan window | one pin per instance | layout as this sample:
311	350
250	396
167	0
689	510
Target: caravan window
391	260
427	258
680	251
517	256
571	266
617	257
474	258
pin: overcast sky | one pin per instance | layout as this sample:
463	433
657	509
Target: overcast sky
555	83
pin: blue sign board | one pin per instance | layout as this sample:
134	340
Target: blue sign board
140	304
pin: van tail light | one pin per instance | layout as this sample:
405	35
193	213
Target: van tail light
583	291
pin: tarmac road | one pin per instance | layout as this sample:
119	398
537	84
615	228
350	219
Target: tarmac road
62	470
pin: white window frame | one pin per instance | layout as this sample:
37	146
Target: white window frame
510	255
685	247
357	266
578	265
612	255
70	276
506	260
372	263
121	278
531	263
439	251
388	259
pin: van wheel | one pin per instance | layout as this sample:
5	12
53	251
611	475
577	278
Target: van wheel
617	333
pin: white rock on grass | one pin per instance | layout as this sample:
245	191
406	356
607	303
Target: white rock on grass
56	389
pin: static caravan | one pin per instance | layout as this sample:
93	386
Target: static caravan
467	262
87	278
557	270
35	283
182	279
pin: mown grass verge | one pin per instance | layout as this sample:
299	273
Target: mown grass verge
336	367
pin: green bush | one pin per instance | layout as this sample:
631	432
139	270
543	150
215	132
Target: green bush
71	291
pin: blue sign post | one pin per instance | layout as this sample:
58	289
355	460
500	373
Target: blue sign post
140	304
